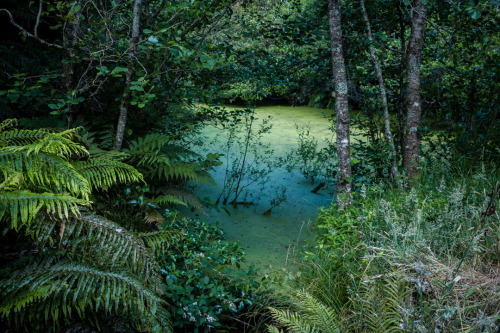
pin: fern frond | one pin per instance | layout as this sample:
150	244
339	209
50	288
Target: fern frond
292	321
25	205
151	158
179	196
273	329
183	171
20	137
78	287
154	217
97	152
382	300
104	173
158	241
35	141
7	123
45	169
314	311
113	243
149	142
168	200
307	314
58	144
12	182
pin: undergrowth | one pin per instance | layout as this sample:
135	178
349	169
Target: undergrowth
425	259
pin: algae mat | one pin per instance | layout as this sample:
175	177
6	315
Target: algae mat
270	240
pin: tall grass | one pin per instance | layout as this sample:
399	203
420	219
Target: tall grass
420	260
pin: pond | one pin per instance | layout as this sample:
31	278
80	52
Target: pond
269	241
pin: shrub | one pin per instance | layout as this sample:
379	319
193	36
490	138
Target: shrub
205	283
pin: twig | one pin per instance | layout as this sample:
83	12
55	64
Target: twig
27	33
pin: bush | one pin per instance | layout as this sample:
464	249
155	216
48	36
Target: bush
205	283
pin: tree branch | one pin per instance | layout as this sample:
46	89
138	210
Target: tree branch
26	32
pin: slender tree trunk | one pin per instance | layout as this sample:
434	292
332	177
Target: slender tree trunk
70	41
401	101
344	182
122	119
383	95
413	106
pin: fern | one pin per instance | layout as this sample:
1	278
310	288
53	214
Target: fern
113	244
182	171
153	217
104	173
12	182
7	123
20	137
25	205
293	321
158	241
44	169
37	141
42	192
178	196
382	300
309	315
61	288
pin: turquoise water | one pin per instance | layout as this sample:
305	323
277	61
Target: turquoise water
269	241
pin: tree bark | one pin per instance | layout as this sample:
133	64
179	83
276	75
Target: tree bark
134	41
383	95
401	99
413	106
344	183
70	41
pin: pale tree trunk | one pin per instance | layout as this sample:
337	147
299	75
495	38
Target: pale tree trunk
134	41
344	181
383	95
413	107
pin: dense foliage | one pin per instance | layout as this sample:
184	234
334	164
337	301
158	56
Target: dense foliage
103	158
421	260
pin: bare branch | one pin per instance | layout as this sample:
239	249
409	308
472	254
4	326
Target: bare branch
27	33
38	18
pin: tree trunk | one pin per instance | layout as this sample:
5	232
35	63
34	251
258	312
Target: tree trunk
70	41
344	181
122	119
383	95
401	99
413	107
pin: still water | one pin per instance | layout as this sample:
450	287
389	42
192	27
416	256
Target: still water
269	241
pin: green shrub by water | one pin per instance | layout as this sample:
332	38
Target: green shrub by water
419	260
205	285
